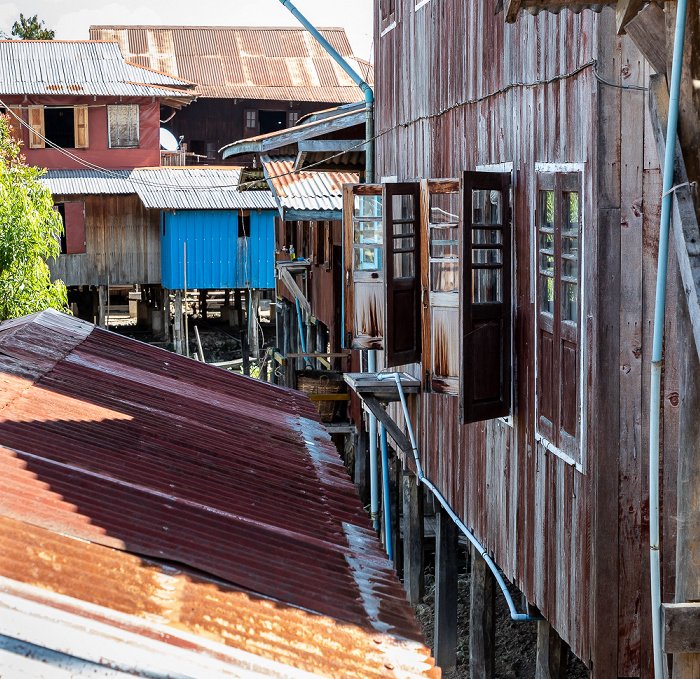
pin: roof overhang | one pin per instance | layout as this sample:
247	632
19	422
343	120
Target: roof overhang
277	140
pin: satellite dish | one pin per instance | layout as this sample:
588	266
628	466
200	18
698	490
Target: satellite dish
168	141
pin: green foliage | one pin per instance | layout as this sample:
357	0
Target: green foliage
31	29
30	231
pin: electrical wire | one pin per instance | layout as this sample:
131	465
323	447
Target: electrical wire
403	124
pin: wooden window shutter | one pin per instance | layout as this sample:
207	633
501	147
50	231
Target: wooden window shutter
80	122
402	326
36	122
14	124
75	227
485	296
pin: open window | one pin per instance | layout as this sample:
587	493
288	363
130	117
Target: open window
485	290
387	14
440	201
323	244
64	126
364	267
558	215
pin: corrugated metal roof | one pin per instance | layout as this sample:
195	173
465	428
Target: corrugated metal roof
305	190
243	62
79	67
164	188
158	496
197	189
87	182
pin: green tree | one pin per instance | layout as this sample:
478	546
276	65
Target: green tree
31	29
30	231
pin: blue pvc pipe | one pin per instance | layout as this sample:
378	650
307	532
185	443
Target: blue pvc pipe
657	348
372	430
385	483
514	615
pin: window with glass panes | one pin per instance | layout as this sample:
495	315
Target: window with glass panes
558	216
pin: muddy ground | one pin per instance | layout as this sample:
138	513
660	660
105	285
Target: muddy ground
516	642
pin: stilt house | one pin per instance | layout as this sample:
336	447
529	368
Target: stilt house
506	258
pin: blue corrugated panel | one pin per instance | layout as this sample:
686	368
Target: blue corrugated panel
216	257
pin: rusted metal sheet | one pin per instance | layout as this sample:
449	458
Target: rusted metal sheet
143	482
86	68
308	190
282	64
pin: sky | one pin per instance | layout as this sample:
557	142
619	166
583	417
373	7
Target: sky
71	19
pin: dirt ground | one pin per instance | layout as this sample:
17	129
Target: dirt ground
516	642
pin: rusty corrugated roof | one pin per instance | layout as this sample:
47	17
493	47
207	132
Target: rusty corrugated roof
305	190
244	62
179	499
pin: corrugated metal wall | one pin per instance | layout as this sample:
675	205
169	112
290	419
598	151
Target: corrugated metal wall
216	257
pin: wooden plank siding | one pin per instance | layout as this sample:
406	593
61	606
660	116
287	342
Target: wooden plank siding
122	243
572	536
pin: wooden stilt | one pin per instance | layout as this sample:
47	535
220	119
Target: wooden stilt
178	323
552	653
445	631
245	351
482	619
102	306
238	316
413	579
203	304
165	310
255	323
361	477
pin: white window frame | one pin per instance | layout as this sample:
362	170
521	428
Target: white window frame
554	168
420	4
115	109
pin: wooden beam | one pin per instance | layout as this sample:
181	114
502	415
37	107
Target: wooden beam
294	289
648	32
681	629
685	224
552	653
625	11
482	619
391	427
329	397
511	7
413	580
331	145
445	622
311	215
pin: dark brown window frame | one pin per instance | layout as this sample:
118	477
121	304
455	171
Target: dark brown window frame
558	340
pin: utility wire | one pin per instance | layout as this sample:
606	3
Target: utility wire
403	124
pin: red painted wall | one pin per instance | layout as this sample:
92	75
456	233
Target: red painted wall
99	153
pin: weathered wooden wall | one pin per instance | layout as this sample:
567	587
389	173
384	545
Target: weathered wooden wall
122	242
572	537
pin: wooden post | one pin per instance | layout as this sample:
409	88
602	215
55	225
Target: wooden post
361	477
245	352
101	305
445	630
687	665
552	653
482	619
238	308
413	579
177	323
165	310
254	325
203	304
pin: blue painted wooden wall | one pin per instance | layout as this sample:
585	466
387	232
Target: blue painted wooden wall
216	257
